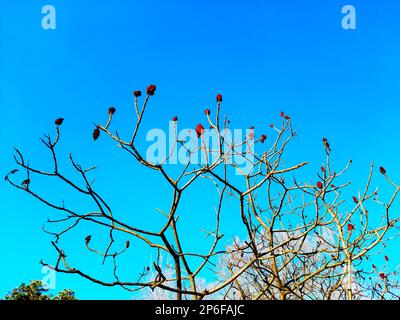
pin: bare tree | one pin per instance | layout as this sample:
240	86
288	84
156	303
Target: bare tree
302	240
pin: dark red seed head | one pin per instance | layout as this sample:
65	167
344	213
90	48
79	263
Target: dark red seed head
382	170
151	89
219	98
175	118
207	112
137	93
96	133
199	130
111	110
320	185
263	138
59	121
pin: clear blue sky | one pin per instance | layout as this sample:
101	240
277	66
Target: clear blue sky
263	56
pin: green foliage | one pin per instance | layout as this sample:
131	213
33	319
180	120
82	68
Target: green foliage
36	291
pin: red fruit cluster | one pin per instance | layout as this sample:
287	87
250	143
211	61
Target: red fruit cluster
355	200
199	130
151	89
320	185
87	239
137	93
175	118
263	138
96	133
59	121
219	98
350	227
207	112
327	145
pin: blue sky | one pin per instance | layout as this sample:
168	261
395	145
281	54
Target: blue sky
263	56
